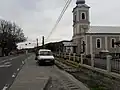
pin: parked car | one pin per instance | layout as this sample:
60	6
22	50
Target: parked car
45	56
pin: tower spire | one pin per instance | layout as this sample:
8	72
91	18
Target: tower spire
80	2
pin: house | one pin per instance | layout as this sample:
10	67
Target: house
65	46
68	46
92	39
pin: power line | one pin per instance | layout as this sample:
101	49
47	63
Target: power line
60	17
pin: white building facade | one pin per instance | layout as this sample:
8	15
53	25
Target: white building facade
92	39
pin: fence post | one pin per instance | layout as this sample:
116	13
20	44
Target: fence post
81	59
109	63
92	60
69	56
26	51
59	54
74	57
64	55
78	59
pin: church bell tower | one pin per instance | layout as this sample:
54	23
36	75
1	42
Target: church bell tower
81	24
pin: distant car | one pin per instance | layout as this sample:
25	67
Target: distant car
45	56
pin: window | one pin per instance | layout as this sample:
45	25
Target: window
83	16
112	42
44	53
98	43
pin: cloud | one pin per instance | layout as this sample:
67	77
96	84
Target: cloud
37	17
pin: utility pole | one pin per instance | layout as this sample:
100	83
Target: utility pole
37	43
43	41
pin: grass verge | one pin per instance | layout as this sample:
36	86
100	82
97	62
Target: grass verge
94	80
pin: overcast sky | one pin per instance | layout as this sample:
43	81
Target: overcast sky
37	17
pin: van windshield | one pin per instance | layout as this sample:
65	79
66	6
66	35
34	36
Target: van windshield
44	53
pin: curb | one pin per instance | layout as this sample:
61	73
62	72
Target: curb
79	83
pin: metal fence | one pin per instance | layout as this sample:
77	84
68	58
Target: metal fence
109	64
115	65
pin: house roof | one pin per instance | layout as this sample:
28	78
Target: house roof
104	29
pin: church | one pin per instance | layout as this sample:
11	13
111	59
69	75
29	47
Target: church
92	39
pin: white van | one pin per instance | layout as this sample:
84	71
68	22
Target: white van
45	56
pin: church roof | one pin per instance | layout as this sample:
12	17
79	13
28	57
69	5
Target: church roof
104	29
83	5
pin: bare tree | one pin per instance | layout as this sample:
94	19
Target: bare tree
10	35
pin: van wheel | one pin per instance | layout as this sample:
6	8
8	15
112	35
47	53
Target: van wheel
52	63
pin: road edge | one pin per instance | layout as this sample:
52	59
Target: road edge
24	62
47	82
79	83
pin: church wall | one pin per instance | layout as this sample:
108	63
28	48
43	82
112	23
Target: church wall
79	45
88	45
95	49
103	46
81	26
77	41
116	49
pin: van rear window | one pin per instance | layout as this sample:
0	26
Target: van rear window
45	53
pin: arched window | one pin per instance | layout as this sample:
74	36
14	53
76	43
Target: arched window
83	16
112	43
98	43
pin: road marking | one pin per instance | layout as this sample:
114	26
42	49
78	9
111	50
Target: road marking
5	88
14	75
18	69
23	62
1	66
9	59
4	61
7	63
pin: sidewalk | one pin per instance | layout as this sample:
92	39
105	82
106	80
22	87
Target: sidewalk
30	77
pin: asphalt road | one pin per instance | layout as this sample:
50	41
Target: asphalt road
9	68
33	76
